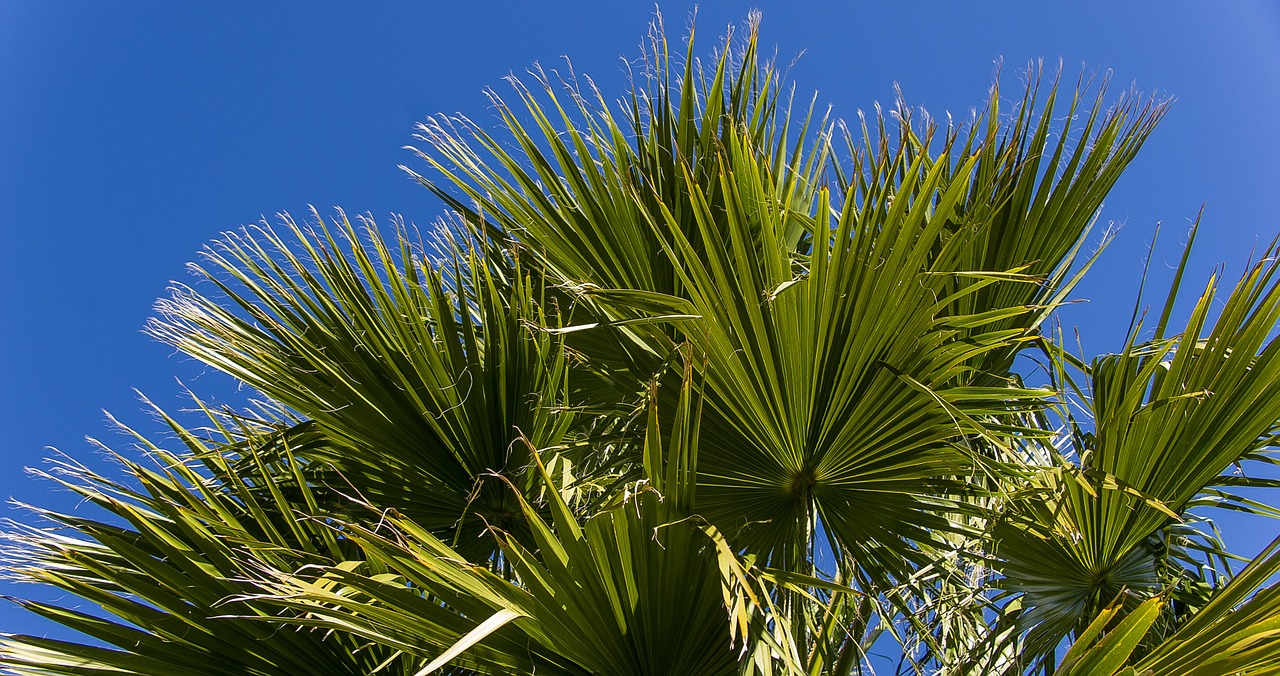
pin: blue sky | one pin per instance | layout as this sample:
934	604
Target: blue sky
133	133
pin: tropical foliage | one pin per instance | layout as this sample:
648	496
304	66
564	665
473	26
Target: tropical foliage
691	384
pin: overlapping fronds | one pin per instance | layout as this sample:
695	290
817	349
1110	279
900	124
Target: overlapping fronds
422	376
858	324
1169	416
170	551
634	589
1235	633
693	383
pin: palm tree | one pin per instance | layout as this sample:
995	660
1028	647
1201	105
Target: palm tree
691	385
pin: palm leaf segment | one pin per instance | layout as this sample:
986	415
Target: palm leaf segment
420	377
855	331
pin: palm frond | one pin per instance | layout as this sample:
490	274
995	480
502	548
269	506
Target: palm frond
852	341
634	589
701	381
420	375
1235	633
164	562
1170	415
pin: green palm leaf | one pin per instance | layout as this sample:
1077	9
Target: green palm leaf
692	385
420	376
163	564
1170	416
634	589
1237	633
852	341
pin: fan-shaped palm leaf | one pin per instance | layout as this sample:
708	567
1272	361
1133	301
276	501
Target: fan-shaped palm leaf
421	376
847	329
1237	633
847	338
1170	416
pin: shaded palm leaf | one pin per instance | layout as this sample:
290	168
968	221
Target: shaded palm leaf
635	589
1236	633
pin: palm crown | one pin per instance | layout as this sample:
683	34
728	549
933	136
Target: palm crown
690	385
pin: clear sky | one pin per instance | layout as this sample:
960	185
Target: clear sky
131	133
